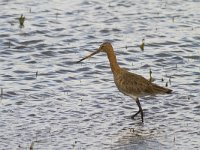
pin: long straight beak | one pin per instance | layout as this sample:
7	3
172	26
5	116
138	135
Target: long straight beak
97	51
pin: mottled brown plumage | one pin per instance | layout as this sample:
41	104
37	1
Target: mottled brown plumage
136	85
129	83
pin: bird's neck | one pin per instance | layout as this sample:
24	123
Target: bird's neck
113	62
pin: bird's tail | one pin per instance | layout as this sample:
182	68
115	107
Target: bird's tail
161	90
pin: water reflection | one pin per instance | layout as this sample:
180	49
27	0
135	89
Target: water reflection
137	138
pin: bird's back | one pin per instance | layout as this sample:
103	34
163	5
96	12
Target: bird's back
136	86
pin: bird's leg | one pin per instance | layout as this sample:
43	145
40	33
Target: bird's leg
140	110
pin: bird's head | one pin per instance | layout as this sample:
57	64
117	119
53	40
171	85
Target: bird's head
105	47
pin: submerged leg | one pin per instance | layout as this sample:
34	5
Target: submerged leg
140	110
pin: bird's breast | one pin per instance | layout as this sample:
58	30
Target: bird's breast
128	86
121	84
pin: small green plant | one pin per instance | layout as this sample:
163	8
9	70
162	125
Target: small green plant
151	79
36	74
21	20
142	45
166	84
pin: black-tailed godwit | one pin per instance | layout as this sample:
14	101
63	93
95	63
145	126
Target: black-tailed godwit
128	83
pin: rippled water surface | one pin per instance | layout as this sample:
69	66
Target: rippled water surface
49	102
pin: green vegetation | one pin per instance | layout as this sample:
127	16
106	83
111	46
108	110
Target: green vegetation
142	45
21	20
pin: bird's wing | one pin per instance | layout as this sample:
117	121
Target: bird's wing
133	84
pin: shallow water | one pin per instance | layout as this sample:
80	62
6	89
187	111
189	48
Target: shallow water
50	102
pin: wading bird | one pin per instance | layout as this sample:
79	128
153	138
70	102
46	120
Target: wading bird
128	83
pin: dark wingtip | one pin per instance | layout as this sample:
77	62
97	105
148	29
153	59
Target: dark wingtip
169	91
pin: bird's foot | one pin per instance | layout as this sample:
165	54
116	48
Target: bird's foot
133	116
140	111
